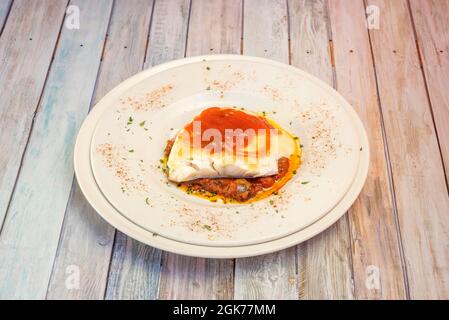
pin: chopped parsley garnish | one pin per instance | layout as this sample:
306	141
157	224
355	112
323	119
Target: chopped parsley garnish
305	182
207	68
142	123
130	121
147	201
207	227
132	150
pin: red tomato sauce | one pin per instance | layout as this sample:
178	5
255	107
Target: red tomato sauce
223	119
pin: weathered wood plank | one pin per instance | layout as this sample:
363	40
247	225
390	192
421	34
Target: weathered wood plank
431	20
5	6
168	34
418	175
270	276
324	262
375	248
195	278
215	27
135	267
29	238
86	239
85	249
25	53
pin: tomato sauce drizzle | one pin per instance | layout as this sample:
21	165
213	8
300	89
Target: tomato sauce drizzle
223	119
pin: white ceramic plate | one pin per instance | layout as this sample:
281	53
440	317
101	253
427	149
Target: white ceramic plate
93	194
143	112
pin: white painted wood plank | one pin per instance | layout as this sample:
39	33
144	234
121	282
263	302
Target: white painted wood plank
377	265
32	226
418	175
85	247
26	48
265	29
195	278
432	23
215	27
86	239
270	276
134	271
168	33
324	262
5	6
135	267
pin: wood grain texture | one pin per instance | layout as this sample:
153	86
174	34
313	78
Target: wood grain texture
86	239
5	6
26	49
431	19
134	271
377	266
85	246
195	278
324	262
418	176
168	33
265	29
135	267
213	25
271	276
29	238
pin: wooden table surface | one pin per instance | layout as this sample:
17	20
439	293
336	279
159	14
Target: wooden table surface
392	244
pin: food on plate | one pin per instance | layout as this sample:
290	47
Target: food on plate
231	154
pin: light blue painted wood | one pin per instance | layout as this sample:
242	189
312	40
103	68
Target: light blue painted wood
135	267
86	239
30	234
26	48
168	34
4	9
